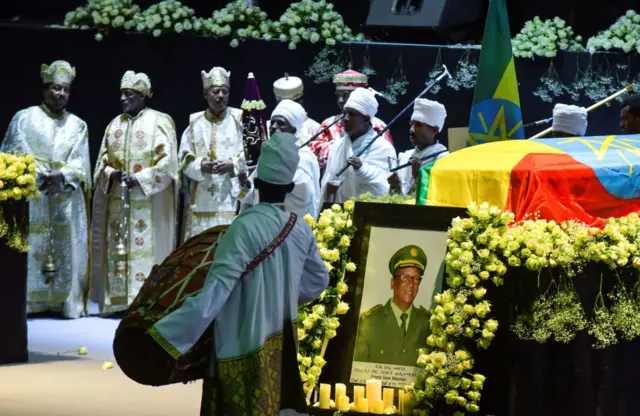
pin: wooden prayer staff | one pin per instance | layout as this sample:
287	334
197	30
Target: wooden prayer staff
444	74
422	159
321	132
612	97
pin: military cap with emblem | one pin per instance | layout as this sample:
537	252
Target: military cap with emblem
408	256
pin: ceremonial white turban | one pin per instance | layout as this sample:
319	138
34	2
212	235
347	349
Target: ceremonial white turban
292	112
429	112
570	119
363	101
279	159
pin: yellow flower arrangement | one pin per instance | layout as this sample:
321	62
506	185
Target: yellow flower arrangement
480	250
17	181
318	321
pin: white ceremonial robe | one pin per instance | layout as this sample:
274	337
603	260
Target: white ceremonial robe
143	146
304	198
57	143
210	199
371	177
430	153
251	313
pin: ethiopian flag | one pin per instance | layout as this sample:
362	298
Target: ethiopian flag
495	113
584	178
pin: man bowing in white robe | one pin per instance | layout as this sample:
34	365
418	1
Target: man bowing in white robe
367	173
427	122
289	117
265	266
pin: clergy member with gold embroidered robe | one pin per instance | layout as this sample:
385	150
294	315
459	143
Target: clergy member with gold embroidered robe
266	265
366	173
58	221
211	158
137	163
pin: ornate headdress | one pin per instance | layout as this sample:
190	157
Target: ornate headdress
349	80
288	88
59	72
138	82
217	77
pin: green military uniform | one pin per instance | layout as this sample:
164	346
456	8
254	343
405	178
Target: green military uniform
381	339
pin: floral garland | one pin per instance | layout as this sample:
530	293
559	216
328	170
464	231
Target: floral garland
480	250
318	320
103	16
168	16
544	38
239	21
623	35
17	182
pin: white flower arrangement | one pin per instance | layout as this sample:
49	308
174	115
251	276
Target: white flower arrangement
103	16
623	35
544	38
168	16
312	21
238	20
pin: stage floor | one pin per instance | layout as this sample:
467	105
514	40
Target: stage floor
59	382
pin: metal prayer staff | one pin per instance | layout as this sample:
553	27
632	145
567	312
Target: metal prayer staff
422	159
321	132
444	74
626	89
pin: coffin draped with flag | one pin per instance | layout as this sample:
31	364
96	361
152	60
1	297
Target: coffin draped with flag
584	178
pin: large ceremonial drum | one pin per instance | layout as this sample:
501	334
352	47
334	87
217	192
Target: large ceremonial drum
180	276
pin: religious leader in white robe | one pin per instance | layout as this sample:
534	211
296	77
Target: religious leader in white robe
138	156
367	173
288	117
211	157
569	121
58	221
427	121
265	266
292	88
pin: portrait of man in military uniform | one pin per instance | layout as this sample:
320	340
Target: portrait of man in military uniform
392	333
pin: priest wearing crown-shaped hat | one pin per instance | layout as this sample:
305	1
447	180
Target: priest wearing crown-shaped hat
57	273
266	265
292	88
211	158
345	83
427	121
137	163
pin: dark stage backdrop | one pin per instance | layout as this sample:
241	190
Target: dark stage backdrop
174	64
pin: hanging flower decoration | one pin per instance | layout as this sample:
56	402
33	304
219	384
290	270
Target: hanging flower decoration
103	16
318	321
239	21
313	21
623	35
545	38
168	16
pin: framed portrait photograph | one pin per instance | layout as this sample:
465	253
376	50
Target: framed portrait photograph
399	251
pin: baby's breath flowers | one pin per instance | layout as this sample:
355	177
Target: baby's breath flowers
318	321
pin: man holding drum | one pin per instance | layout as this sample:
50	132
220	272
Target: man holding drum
265	266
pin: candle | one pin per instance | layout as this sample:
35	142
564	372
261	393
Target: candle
374	390
377	407
341	390
400	400
388	396
325	396
343	403
406	403
358	392
362	405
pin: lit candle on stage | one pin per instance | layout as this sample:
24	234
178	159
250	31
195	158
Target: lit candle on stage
374	391
406	404
325	396
343	403
341	390
362	405
377	407
400	400
358	392
388	396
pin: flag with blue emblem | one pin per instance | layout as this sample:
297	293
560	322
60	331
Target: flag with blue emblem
495	114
